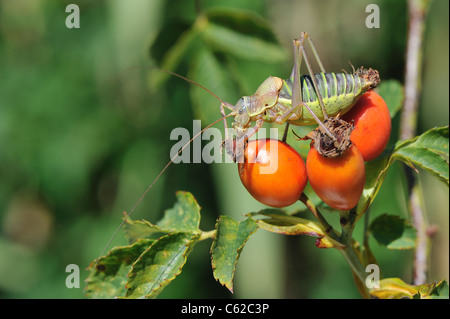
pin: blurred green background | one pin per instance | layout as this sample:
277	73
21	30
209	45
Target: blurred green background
84	131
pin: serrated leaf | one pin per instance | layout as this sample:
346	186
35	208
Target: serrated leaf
184	216
281	223
242	34
109	277
439	290
227	245
137	229
426	159
393	232
426	152
395	288
436	140
159	265
435	290
392	93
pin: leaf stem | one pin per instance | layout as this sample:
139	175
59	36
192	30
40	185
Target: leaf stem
366	227
327	227
207	234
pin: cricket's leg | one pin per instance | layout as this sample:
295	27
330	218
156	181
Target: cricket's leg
300	49
237	146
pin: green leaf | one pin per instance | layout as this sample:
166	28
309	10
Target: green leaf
439	290
281	223
426	152
137	229
435	140
227	245
159	265
183	217
395	288
393	232
110	275
426	159
392	93
242	34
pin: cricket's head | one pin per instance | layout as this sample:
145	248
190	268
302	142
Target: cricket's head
240	111
249	106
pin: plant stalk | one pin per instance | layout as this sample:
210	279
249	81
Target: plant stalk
347	220
418	10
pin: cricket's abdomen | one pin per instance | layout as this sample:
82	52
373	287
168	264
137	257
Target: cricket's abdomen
339	92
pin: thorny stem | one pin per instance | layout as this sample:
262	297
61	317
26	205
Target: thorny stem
408	124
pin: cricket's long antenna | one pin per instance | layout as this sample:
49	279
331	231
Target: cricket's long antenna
178	76
145	193
190	81
127	215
